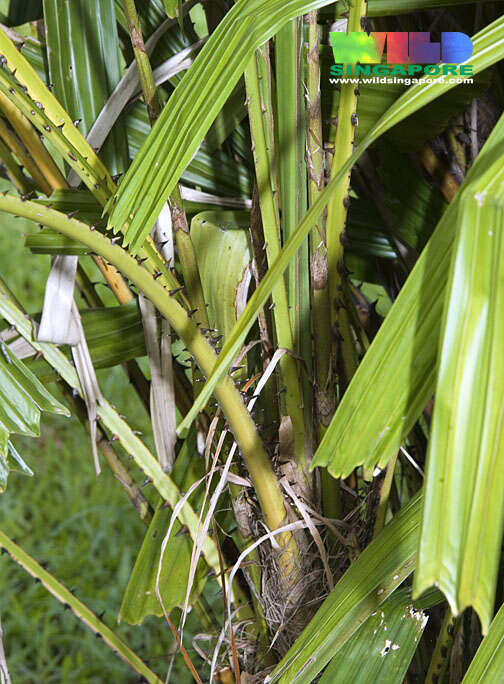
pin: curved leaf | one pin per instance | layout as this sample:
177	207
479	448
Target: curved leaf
463	517
140	597
22	397
221	243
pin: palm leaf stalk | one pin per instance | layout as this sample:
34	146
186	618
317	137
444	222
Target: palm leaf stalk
318	247
185	247
258	79
290	154
337	208
320	301
257	461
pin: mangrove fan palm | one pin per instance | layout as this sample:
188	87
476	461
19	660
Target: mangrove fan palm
302	279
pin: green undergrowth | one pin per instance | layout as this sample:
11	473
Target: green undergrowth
82	526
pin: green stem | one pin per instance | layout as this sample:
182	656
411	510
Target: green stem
320	303
337	207
442	650
19	151
16	175
257	462
129	485
293	198
293	182
315	163
149	89
261	126
79	609
185	248
384	497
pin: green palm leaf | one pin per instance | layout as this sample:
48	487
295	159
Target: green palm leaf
22	398
380	569
488	663
389	638
84	65
399	367
463	516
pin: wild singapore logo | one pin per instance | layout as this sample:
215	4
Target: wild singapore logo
386	57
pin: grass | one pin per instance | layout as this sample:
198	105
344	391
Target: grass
83	525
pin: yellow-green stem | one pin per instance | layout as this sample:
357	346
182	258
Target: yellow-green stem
320	303
185	248
14	171
261	125
16	147
258	464
149	89
320	307
337	209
